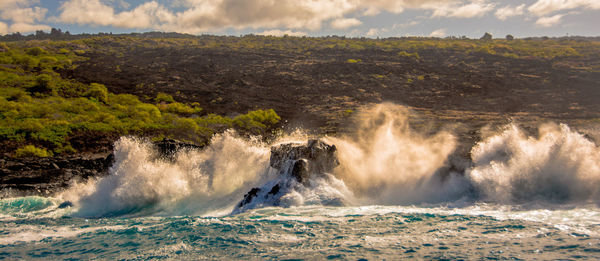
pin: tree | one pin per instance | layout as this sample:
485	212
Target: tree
486	36
509	37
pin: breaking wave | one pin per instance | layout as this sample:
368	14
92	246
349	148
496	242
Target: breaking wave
383	162
194	182
558	165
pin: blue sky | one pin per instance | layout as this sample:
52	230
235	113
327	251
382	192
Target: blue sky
371	18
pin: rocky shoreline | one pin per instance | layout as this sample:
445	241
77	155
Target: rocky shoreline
48	176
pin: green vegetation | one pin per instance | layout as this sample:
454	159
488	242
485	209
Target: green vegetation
40	111
32	151
163	97
545	48
409	55
568	51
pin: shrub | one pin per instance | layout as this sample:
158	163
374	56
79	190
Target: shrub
163	97
410	55
44	84
35	51
32	151
3	47
257	122
98	92
48	61
124	99
179	108
25	61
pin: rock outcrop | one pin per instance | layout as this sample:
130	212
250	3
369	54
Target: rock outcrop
46	176
305	160
167	148
296	164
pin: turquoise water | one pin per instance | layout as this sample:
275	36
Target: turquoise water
34	228
396	194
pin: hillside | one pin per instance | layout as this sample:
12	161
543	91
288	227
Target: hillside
75	96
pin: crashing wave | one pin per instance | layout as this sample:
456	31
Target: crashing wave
384	162
301	169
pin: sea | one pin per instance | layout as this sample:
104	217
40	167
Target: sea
398	193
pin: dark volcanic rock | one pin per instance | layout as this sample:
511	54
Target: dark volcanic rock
297	164
46	176
169	147
312	158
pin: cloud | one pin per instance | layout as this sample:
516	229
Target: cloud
206	15
25	27
344	23
375	32
281	33
474	9
549	20
404	25
438	33
22	16
93	12
544	7
3	28
508	11
196	16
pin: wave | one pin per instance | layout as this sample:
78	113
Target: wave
195	182
384	161
559	165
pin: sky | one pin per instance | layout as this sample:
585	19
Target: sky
352	18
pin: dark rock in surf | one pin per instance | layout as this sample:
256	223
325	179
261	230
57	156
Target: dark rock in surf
296	164
65	204
308	159
167	148
249	196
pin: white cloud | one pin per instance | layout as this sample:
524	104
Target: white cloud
25	27
373	32
3	28
372	11
548	21
12	3
22	16
404	25
282	33
344	23
508	11
206	15
474	9
217	15
377	32
438	33
544	7
94	12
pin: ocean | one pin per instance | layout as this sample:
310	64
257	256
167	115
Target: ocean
397	194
